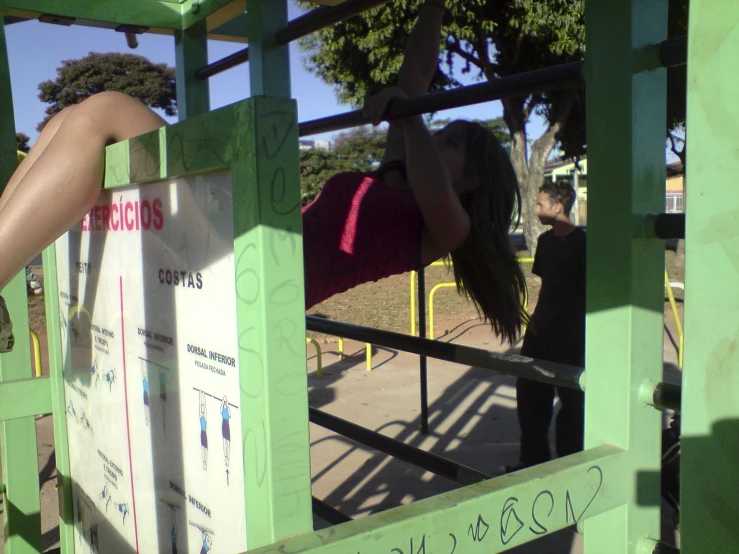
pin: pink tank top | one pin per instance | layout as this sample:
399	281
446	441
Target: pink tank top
358	230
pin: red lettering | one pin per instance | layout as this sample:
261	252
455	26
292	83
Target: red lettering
158	215
136	213
145	214
98	218
129	223
84	222
106	216
113	219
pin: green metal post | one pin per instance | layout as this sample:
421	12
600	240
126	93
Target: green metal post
271	326
191	48
269	64
270	292
710	401
626	163
22	515
56	375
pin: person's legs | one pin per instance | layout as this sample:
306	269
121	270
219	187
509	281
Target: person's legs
570	430
41	143
69	171
534	410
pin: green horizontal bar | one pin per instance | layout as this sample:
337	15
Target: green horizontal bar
25	398
236	27
486	517
146	13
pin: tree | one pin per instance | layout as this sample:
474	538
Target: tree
481	39
21	142
358	149
152	84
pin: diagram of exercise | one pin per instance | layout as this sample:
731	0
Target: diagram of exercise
145	383
94	536
175	525
147	369
226	430
105	495
204	430
207	537
96	375
123	509
225	410
80	419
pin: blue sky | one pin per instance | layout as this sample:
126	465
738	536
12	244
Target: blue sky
36	50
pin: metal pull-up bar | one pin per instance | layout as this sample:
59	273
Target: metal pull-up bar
304	25
537	370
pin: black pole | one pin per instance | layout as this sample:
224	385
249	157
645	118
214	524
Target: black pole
325	16
522	84
329	513
422	360
664	548
669	226
673	51
237	58
667	396
519	366
425	460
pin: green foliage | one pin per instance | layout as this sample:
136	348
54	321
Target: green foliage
360	149
21	142
152	84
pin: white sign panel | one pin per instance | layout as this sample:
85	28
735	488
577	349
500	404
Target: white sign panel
147	302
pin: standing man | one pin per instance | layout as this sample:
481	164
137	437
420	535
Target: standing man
556	331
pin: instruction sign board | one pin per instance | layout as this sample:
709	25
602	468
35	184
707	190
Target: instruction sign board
149	341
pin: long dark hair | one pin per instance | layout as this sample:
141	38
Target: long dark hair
486	268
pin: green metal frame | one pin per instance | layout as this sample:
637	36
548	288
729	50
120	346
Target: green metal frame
612	488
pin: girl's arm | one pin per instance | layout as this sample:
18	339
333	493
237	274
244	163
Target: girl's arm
420	60
447	222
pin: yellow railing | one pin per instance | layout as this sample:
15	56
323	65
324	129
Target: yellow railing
36	351
319	358
433	291
678	325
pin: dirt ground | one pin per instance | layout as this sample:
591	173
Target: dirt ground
471	411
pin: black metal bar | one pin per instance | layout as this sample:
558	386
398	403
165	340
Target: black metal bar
422	360
425	460
540	80
667	396
320	18
329	513
519	366
674	51
237	58
669	226
664	548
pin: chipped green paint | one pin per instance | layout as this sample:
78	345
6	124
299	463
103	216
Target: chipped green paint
22	518
710	401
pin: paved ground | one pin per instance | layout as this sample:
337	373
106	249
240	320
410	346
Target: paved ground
472	420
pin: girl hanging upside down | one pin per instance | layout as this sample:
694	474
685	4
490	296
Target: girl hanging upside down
454	192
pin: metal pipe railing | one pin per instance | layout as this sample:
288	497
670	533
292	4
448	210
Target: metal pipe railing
521	84
299	27
329	513
519	366
323	17
669	226
425	460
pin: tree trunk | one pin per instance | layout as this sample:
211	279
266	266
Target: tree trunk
530	168
532	228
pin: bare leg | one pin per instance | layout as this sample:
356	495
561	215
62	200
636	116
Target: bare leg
41	143
64	182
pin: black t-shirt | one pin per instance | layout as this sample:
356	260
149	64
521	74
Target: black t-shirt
560	262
